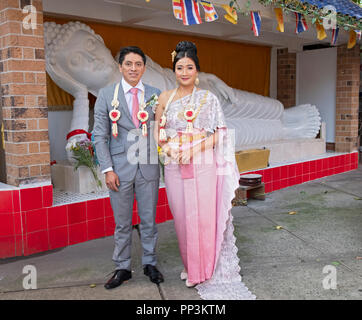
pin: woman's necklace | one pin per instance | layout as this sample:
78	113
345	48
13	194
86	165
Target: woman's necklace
189	113
163	119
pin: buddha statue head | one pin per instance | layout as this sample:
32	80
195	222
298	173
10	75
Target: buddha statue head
77	59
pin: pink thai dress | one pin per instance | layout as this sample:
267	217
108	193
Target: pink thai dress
200	194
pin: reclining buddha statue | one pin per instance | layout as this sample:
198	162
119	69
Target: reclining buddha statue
78	61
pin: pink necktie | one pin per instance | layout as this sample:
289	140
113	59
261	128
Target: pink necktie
135	107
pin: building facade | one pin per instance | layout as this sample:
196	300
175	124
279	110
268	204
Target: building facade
30	221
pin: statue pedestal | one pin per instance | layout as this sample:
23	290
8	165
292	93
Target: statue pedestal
290	150
79	181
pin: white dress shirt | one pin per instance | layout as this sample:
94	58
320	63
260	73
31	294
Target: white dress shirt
129	99
128	95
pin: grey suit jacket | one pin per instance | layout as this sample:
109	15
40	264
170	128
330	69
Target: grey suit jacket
129	150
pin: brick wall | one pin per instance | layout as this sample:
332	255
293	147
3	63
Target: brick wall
286	70
347	98
23	91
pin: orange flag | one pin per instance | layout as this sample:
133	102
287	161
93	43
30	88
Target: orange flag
231	14
352	39
321	34
280	19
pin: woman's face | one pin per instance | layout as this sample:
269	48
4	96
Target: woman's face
186	72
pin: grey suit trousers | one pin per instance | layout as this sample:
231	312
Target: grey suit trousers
122	205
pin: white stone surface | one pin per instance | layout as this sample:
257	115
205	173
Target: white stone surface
80	181
283	151
61	197
7	187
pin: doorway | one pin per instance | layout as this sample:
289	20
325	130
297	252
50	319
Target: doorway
316	84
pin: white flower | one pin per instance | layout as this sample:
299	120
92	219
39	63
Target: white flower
70	145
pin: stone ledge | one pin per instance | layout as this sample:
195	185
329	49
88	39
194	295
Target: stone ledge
282	151
64	177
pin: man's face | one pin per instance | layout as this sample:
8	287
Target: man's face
132	68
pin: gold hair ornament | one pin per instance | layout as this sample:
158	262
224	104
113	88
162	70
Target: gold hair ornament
173	55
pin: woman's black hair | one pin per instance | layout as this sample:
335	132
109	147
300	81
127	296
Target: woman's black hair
186	49
131	49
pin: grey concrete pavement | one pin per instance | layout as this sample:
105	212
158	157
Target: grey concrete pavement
284	263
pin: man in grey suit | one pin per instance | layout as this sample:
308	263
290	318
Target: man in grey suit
129	160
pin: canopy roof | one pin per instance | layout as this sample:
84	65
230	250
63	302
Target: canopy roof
345	7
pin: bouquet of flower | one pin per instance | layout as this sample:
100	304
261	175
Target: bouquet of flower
152	102
84	154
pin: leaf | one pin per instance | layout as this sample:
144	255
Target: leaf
92	285
292	212
356	198
278	227
335	263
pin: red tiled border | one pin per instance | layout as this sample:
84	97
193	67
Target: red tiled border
47	196
35	242
31	198
58	237
292	174
7	246
30	224
6	202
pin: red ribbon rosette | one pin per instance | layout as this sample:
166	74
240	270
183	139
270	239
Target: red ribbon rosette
143	117
114	115
189	115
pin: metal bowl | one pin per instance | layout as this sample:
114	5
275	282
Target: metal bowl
250	179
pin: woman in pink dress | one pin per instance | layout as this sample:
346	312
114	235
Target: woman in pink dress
201	177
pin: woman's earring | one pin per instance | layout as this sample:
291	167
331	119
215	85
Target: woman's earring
197	81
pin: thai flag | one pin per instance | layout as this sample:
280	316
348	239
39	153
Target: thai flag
210	12
190	12
301	24
334	36
256	21
177	8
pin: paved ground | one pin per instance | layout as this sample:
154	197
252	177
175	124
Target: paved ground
325	234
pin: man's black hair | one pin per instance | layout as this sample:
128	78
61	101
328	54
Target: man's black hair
131	49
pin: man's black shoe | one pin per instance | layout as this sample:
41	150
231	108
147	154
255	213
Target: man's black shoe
153	273
117	279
